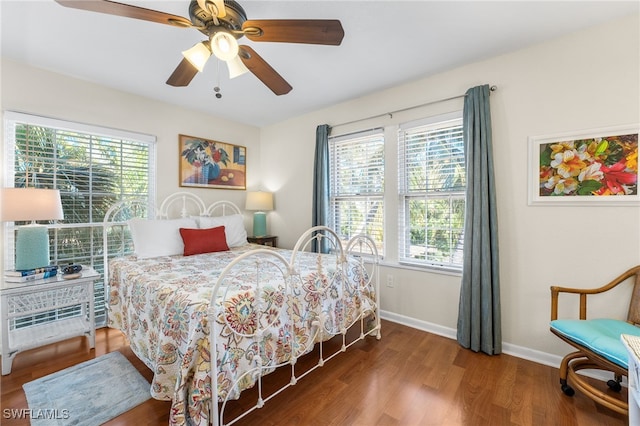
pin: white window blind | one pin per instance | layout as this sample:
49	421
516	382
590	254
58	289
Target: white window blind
432	192
93	167
357	185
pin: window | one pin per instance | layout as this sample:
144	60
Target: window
431	185
93	167
357	185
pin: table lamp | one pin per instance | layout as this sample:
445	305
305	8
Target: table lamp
31	204
259	201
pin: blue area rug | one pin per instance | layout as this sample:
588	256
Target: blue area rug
87	394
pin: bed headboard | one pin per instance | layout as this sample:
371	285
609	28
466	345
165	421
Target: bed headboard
181	204
185	204
116	237
222	208
176	205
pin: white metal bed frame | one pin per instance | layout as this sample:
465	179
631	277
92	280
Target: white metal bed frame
252	262
294	283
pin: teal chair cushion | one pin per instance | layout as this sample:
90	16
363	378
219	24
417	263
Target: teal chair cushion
602	336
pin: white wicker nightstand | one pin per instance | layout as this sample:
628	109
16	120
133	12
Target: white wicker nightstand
28	299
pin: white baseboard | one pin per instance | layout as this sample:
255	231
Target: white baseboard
507	348
418	324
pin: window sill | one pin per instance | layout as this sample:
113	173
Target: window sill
421	268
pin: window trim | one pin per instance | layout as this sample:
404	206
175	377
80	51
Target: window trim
438	121
40	120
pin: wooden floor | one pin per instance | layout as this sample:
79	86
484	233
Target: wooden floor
410	377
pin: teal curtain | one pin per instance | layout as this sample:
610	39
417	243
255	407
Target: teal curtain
320	209
479	318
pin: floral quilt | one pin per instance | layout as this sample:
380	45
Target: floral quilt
161	305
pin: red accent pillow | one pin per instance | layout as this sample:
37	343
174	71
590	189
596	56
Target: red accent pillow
197	241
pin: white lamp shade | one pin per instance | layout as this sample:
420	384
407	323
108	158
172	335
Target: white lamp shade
259	201
198	55
236	67
224	45
28	204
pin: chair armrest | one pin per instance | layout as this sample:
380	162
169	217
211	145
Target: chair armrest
584	292
555	291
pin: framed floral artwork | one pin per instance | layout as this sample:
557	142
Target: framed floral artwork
206	163
593	167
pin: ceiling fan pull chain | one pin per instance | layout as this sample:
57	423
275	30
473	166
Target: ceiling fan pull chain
217	88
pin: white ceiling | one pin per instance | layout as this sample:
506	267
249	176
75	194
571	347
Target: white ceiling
386	43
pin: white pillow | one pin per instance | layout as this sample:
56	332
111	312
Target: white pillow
158	237
233	227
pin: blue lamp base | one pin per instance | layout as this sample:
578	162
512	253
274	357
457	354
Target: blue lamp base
32	247
259	224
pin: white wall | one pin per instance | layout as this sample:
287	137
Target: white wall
582	81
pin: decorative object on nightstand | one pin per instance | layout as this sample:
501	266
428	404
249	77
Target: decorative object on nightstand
31	204
267	240
260	202
25	276
26	300
71	272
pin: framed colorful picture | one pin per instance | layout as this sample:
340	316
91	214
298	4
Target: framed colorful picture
207	163
593	167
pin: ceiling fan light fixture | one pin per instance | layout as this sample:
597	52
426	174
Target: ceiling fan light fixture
224	46
236	67
197	55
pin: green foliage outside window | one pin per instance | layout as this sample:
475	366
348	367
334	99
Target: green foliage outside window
433	194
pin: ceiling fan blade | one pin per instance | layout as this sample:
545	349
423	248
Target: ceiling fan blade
310	31
261	69
183	74
128	11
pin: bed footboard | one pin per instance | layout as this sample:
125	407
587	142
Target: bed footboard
267	311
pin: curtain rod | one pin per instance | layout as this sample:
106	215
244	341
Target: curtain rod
390	114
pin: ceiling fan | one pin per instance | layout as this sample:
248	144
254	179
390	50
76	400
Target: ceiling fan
224	22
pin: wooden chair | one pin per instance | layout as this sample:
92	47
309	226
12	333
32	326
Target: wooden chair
597	342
